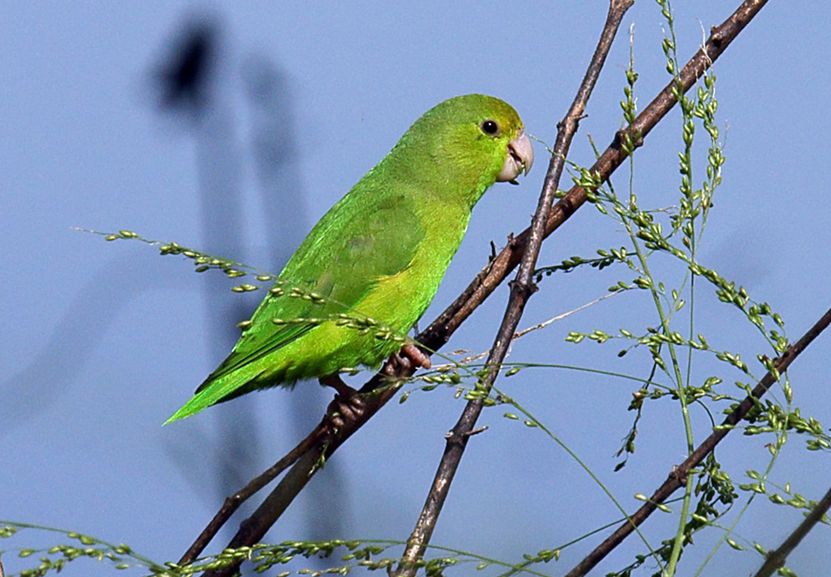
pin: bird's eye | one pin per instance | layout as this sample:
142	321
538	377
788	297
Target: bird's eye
490	127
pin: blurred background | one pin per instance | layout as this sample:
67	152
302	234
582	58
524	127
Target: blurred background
231	128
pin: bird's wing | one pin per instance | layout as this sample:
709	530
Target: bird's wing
341	261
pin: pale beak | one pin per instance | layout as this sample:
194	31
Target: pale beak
519	160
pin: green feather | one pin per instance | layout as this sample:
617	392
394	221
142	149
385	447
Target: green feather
379	254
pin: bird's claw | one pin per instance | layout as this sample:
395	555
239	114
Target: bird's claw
345	410
348	406
337	383
408	357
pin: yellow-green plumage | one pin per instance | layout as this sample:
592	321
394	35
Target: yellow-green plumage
379	253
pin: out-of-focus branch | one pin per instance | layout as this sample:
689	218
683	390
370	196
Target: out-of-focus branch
521	290
486	281
776	558
677	477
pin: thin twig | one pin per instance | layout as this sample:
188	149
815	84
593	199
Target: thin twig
521	290
565	315
776	558
678	474
527	330
495	272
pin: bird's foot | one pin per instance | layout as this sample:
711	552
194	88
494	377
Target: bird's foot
415	356
337	383
348	405
408	357
344	411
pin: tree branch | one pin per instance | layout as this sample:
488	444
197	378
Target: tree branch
776	558
439	332
678	475
521	290
233	502
377	392
486	281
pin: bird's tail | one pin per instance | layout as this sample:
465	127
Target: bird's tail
218	389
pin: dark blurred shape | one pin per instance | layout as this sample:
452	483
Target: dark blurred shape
283	204
184	80
282	198
194	80
186	73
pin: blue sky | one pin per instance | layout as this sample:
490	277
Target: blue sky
103	341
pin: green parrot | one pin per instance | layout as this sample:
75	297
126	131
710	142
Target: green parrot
370	267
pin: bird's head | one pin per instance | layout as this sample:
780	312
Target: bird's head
473	139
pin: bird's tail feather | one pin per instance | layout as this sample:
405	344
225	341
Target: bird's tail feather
213	391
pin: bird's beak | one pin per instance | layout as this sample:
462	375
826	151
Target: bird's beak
519	160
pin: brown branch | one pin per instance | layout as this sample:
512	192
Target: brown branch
377	392
521	290
439	332
776	558
233	502
678	475
486	281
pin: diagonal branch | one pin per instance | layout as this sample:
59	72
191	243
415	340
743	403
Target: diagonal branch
486	281
378	391
439	332
233	502
678	475
776	559
521	290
